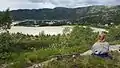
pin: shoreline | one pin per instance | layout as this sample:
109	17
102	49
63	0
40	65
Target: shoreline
50	30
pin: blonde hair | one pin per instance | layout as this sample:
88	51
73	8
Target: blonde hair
101	37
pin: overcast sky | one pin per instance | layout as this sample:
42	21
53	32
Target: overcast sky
36	4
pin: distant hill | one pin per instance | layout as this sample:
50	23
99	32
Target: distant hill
90	14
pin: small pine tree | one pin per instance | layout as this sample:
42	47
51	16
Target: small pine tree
5	20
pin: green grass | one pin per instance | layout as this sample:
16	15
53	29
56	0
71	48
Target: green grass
86	62
41	55
25	50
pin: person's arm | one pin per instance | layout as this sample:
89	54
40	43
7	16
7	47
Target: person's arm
98	38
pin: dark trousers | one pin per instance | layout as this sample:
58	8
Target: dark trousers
105	55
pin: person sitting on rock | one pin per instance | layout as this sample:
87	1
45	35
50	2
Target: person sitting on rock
101	47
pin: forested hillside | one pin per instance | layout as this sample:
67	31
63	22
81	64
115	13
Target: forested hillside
90	14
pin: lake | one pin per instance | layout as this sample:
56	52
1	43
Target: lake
52	30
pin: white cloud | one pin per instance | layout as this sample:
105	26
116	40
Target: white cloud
23	4
34	4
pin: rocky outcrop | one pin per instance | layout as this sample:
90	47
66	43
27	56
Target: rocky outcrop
58	57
